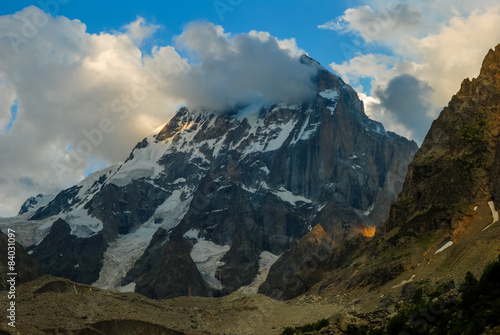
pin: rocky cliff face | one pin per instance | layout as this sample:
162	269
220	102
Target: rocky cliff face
445	221
198	207
457	165
25	266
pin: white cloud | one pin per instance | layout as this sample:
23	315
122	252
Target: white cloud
97	95
240	68
140	30
439	43
289	45
378	25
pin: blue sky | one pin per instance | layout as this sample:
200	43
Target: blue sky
282	18
66	78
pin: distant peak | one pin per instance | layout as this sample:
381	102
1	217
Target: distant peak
491	63
305	59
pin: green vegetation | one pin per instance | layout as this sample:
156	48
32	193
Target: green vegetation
425	241
470	311
310	327
472	134
476	308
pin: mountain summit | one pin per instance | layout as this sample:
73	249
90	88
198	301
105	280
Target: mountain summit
207	205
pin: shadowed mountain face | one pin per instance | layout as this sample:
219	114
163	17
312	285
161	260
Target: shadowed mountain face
458	163
208	203
444	222
25	267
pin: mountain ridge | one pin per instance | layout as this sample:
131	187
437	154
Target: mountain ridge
221	189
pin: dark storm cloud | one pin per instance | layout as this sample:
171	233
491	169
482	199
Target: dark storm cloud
407	100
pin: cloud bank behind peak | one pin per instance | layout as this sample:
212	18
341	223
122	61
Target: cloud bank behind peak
66	82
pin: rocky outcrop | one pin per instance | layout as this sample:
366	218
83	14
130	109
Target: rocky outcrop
23	264
457	164
78	259
166	270
33	203
446	212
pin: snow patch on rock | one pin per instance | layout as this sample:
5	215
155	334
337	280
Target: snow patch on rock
444	247
207	255
289	197
329	94
266	260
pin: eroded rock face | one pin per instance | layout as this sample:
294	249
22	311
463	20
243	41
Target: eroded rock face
449	198
457	164
195	206
78	259
25	266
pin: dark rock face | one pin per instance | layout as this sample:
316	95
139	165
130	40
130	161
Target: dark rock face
304	265
25	266
457	164
123	209
219	190
166	270
62	202
455	170
30	203
64	255
299	268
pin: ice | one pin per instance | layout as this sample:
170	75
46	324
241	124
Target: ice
302	129
248	189
494	214
157	130
42	200
179	180
309	132
404	282
122	254
192	233
81	223
28	233
254	107
260	133
127	288
143	165
216	144
265	169
266	260
173	209
277	143
329	94
89	186
369	210
289	197
376	127
207	255
444	247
